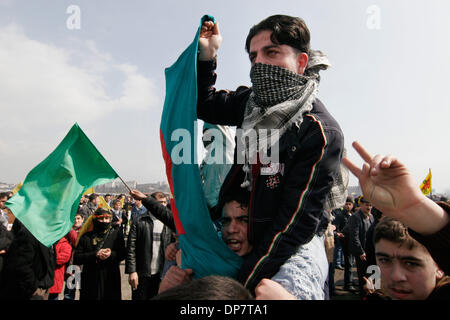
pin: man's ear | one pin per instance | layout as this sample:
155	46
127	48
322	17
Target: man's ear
302	62
439	273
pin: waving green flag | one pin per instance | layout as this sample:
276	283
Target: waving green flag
49	198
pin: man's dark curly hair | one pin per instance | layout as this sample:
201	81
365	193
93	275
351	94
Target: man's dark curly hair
288	30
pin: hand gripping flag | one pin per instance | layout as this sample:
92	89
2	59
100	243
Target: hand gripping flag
426	184
202	249
49	198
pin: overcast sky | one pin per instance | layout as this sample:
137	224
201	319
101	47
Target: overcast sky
104	68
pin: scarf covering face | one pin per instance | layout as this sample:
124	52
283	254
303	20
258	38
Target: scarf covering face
101	231
279	99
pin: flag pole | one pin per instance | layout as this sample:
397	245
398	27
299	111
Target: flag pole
431	186
125	184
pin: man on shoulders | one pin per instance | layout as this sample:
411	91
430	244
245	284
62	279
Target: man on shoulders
288	197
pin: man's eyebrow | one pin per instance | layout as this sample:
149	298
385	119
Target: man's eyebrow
236	217
270	46
409	258
382	254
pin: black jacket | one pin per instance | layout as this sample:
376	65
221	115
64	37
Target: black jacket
140	239
6	238
358	233
285	208
28	265
100	279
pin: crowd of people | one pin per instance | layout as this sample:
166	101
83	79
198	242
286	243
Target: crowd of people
104	234
292	223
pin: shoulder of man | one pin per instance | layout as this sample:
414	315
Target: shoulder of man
321	113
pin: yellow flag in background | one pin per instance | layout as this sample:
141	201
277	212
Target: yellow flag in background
89	191
426	184
103	204
17	188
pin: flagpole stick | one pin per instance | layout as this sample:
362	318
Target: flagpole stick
431	187
125	184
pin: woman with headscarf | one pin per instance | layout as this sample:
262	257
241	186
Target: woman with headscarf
100	252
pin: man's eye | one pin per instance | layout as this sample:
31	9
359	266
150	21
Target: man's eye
243	219
411	264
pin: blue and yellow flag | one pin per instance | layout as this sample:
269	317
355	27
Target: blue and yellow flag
202	249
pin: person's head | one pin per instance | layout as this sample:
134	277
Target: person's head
79	219
348	206
3	199
102	219
117	205
93	198
408	272
235	225
84	199
138	203
107	197
207	288
365	206
280	40
160	197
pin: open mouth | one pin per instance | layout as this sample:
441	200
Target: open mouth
234	244
400	293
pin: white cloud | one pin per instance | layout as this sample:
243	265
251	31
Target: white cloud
45	89
39	85
138	91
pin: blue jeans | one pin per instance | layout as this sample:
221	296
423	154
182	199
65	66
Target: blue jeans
338	257
305	273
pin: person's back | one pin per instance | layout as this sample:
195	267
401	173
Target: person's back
28	265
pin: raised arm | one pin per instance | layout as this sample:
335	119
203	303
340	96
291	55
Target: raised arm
389	185
209	41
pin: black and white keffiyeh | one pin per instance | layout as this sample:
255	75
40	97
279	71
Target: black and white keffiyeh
279	99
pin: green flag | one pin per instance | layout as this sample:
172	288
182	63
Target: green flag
49	198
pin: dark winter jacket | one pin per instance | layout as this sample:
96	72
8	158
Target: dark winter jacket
286	207
6	238
140	238
100	279
28	265
438	244
358	233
